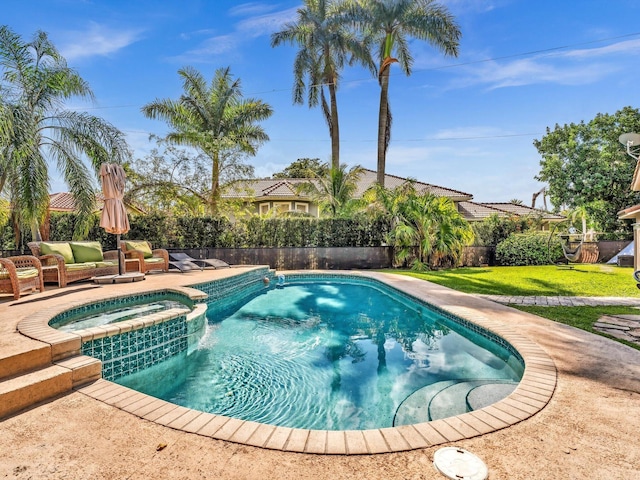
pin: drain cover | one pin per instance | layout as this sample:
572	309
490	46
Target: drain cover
458	464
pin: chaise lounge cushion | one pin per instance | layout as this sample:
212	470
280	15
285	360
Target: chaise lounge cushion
63	249
141	246
86	252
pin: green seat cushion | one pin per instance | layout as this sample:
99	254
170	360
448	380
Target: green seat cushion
23	273
63	249
107	263
74	267
154	260
87	251
141	246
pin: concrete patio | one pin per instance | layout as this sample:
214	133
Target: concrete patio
588	430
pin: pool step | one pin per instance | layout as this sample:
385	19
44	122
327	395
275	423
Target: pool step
452	400
449	398
24	390
27	356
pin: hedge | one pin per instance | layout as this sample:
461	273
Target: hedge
528	249
202	232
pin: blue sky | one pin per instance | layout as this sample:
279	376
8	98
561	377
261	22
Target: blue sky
466	123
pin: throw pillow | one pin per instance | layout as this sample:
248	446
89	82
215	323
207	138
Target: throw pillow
87	251
63	249
141	246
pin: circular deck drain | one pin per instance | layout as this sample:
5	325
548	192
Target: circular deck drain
458	464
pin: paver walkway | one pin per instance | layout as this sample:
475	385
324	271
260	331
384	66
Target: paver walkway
625	327
561	301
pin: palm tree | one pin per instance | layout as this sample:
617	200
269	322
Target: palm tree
425	228
36	130
390	24
335	190
325	46
215	120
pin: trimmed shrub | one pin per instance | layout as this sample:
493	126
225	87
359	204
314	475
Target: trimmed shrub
528	249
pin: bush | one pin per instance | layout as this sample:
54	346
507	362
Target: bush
202	232
494	229
528	249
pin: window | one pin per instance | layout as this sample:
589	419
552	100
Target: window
302	207
282	207
264	208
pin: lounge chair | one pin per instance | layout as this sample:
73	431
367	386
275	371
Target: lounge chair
20	274
183	265
203	262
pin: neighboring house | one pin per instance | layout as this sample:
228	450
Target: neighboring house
262	196
548	219
282	194
63	202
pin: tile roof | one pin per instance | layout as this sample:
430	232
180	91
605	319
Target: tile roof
63	202
268	187
479	211
524	210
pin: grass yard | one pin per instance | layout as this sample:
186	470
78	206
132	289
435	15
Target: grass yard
581	281
547	280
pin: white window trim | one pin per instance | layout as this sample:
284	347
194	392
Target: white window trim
264	208
305	208
279	204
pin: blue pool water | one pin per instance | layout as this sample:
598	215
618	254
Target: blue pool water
107	314
326	355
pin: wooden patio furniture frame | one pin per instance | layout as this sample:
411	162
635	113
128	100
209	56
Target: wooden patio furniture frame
54	269
14	284
143	266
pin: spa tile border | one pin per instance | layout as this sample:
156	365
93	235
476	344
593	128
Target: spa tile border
532	394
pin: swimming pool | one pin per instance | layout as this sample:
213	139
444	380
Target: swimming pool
303	356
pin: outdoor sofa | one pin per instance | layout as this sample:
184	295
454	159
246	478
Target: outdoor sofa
20	274
66	262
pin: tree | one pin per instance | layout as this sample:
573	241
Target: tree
325	46
334	191
390	24
216	121
585	165
36	130
169	180
425	229
304	168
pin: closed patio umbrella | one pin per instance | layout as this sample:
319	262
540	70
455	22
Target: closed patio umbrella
114	215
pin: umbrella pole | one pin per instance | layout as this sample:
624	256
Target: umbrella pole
120	269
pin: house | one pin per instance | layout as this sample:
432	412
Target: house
63	202
262	196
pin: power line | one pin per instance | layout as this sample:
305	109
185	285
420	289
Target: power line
549	51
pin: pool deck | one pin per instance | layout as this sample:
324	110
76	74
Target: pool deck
589	428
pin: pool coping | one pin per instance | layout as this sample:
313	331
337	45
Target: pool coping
531	395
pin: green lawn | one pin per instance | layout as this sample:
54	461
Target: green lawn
548	280
581	281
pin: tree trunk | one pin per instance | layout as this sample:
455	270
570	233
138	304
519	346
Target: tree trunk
335	129
382	124
215	184
35	232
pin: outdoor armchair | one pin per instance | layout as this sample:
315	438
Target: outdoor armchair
148	258
20	274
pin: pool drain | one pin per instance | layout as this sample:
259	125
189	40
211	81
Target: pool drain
458	464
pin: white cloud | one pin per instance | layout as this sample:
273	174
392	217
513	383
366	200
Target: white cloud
97	40
258	22
574	67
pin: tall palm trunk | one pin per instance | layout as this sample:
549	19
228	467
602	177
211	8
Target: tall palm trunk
215	184
334	128
383	127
